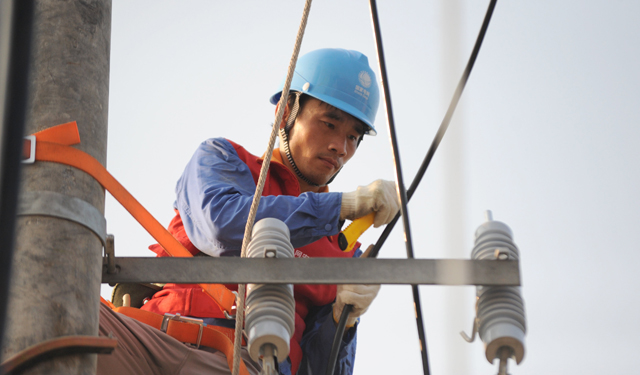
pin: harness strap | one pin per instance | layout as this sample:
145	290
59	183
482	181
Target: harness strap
52	145
219	338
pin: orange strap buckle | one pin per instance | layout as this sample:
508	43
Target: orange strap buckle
177	317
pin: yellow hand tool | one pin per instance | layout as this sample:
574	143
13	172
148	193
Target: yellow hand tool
350	235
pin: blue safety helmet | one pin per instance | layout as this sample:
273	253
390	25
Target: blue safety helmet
341	78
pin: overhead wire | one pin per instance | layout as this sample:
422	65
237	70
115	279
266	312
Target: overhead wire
417	179
402	193
443	126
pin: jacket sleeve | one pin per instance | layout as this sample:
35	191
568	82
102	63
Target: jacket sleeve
214	196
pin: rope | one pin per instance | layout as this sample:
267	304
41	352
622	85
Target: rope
260	185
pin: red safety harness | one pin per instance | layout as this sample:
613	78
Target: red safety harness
188	299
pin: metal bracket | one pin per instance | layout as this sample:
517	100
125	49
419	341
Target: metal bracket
49	203
32	150
110	254
226	314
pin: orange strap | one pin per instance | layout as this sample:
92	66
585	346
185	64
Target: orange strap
219	338
108	303
52	145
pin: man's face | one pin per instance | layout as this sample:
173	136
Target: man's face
323	139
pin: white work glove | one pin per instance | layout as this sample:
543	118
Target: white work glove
380	197
358	295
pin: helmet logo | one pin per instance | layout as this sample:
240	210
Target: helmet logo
365	79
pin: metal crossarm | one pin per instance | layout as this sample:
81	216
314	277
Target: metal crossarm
230	270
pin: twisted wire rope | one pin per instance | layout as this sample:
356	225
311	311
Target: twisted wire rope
237	344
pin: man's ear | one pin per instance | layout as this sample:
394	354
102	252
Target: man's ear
285	115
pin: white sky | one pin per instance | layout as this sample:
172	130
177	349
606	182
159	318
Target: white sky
546	137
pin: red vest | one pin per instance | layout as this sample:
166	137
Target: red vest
190	300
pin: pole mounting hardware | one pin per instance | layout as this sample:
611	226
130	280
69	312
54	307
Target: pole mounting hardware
50	203
31	158
110	254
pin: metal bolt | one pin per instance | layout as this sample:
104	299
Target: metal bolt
501	254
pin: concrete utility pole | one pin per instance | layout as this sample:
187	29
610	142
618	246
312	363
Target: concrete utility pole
55	284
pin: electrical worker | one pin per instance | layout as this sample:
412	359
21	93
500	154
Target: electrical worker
331	105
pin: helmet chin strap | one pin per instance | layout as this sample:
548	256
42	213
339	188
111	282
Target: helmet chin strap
285	141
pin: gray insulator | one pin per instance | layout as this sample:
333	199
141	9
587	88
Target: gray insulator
270	307
500	309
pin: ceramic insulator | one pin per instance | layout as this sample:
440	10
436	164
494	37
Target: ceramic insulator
499	309
270	307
